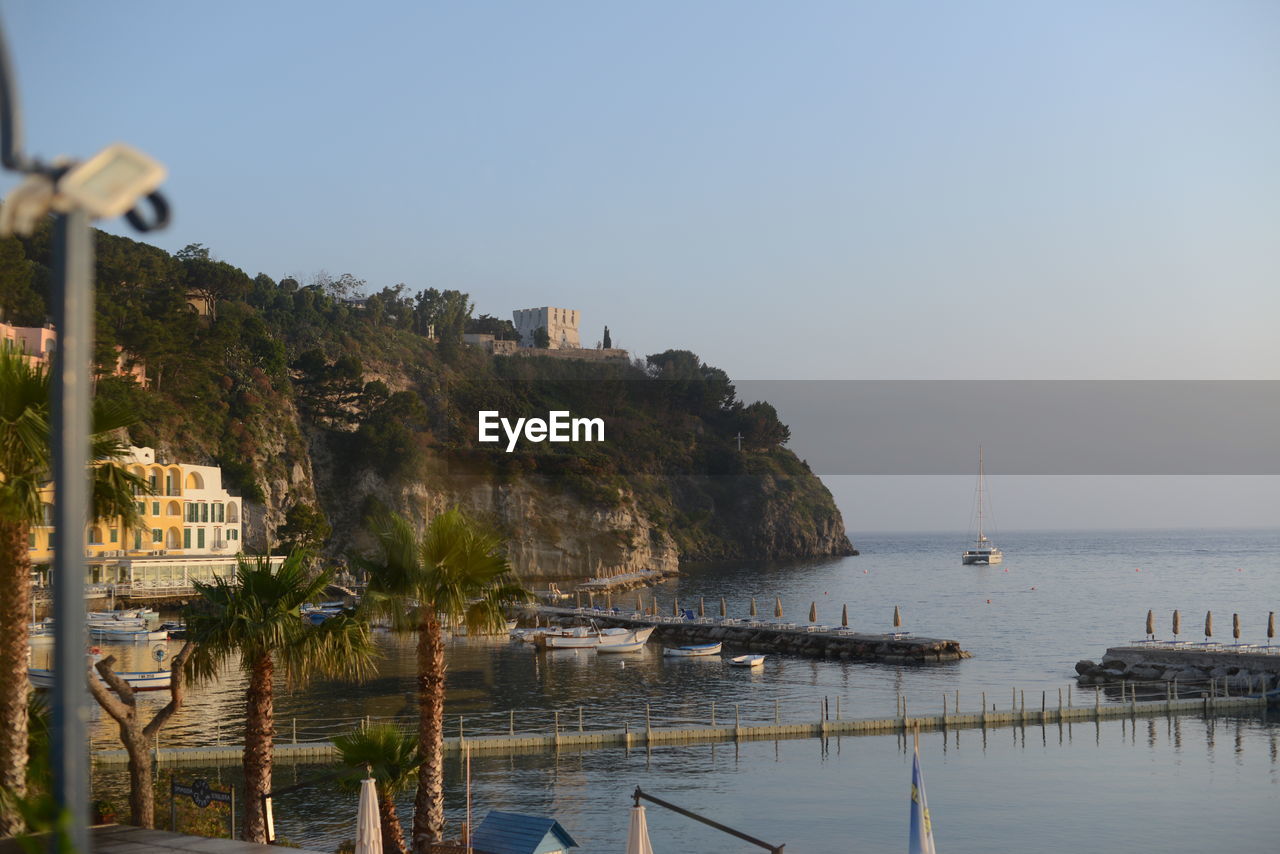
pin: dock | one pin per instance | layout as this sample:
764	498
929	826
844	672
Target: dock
1244	667
808	640
566	737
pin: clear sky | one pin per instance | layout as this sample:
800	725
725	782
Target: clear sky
807	190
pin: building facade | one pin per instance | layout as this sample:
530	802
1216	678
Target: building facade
189	529
39	343
561	325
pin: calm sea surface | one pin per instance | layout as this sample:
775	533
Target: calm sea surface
1185	785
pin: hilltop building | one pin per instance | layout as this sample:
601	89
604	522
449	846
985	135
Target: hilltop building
190	529
561	325
490	343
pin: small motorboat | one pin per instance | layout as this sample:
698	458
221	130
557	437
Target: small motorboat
144	680
747	661
630	646
696	649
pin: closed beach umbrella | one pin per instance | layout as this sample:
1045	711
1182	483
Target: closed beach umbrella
1177	623
608	599
1151	624
591	599
813	612
675	607
1271	627
1208	624
368	825
753	607
844	616
897	617
724	611
1235	626
702	606
777	607
638	834
578	597
639	603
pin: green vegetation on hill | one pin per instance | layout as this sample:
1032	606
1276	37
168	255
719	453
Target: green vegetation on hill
279	371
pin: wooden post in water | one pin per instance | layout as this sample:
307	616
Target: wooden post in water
1097	703
837	707
648	727
713	712
1022	716
984	709
579	718
295	730
1059	705
777	712
737	722
1068	695
944	710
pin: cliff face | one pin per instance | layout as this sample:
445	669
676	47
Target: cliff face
550	534
554	534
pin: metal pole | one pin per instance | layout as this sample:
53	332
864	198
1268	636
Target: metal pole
73	316
638	794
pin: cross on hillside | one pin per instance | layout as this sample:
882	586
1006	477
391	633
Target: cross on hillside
739	438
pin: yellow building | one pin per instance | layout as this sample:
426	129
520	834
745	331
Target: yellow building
190	528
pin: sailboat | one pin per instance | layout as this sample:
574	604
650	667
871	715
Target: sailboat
984	552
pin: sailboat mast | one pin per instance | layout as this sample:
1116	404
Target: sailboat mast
981	477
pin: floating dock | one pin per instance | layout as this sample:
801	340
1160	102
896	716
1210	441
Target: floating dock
812	641
644	736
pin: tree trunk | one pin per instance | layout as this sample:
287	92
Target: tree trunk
428	807
259	727
138	739
142	798
15	613
392	832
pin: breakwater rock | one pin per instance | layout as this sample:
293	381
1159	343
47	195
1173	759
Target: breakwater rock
847	646
1242	671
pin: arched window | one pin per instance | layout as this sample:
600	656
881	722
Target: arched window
173	539
46	515
194	481
95	535
174	509
233	515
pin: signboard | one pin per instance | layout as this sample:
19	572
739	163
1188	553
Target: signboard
201	796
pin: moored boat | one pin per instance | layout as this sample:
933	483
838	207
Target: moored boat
983	552
143	680
747	661
127	635
587	637
695	649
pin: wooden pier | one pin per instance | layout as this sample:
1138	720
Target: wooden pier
568	738
812	641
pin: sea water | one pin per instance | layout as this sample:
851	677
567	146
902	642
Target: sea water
1175	785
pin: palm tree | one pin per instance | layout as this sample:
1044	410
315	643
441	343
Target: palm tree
457	573
392	759
25	466
256	616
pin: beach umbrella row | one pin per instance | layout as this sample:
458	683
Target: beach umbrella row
1208	624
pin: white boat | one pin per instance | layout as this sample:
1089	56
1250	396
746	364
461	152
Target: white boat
143	680
983	552
127	635
693	649
587	637
747	661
